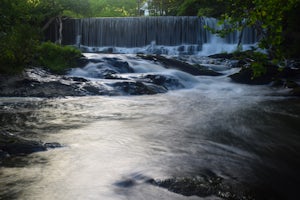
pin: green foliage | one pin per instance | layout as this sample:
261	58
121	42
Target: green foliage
291	33
257	61
209	8
18	35
266	16
57	58
21	22
114	8
53	8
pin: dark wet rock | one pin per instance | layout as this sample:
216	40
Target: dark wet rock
203	186
245	76
37	82
136	88
13	145
239	63
222	55
119	65
40	83
3	154
23	85
92	90
294	86
78	79
81	62
240	55
52	145
103	68
168	63
167	82
273	73
289	72
277	83
291	84
207	72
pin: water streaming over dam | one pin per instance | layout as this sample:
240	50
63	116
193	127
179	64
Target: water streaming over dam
162	35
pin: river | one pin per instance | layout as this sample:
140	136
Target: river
247	136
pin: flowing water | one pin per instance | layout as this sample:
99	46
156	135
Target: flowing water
159	35
112	146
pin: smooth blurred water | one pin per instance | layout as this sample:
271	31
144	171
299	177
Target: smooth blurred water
247	135
247	139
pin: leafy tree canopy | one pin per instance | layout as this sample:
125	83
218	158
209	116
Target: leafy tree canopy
266	16
21	22
114	8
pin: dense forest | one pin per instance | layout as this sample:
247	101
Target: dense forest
23	22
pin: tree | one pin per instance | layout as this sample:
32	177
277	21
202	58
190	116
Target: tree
56	9
164	7
208	8
115	8
21	25
266	16
18	34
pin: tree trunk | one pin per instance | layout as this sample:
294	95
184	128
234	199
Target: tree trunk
48	23
241	36
60	30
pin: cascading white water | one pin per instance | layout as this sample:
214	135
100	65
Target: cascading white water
159	35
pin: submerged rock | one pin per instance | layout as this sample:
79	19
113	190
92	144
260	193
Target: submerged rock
13	145
207	184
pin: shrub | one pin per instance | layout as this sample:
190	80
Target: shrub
57	58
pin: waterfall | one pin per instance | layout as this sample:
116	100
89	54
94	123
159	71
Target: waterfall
155	34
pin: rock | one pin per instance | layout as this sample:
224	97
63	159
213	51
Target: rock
207	72
52	145
40	83
78	79
245	75
203	186
13	145
179	65
291	84
288	72
81	62
119	65
136	88
3	155
167	82
295	91
273	73
222	55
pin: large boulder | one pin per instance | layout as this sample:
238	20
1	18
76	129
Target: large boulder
196	70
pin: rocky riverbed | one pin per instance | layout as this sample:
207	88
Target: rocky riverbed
115	75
